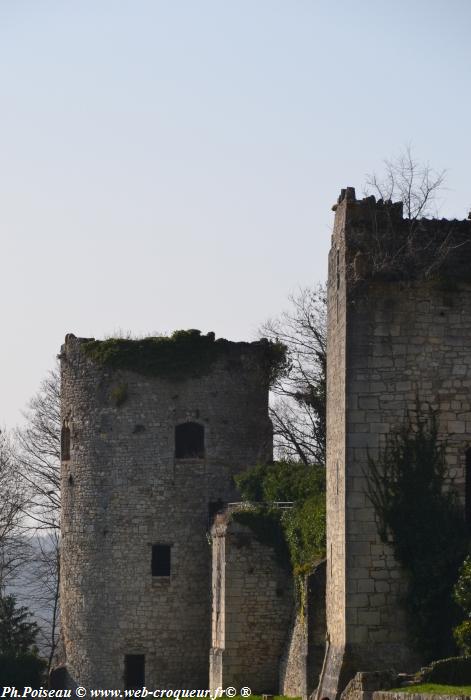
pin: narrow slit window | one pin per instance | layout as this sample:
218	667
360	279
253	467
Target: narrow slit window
134	671
65	441
189	441
467	493
161	560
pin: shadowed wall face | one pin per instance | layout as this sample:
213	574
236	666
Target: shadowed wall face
147	458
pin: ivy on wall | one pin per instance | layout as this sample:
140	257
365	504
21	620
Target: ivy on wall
419	515
297	534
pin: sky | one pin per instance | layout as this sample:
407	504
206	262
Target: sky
171	164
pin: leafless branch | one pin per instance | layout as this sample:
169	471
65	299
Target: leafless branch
298	406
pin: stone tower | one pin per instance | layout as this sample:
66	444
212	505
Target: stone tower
399	333
152	433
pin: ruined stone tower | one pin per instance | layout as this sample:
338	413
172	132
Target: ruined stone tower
152	433
399	336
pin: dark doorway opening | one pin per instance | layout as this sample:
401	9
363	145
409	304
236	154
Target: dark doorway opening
189	441
134	671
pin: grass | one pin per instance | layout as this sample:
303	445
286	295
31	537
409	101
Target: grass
434	688
259	697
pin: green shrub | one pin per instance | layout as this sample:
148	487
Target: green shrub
302	527
462	590
462	595
281	481
462	636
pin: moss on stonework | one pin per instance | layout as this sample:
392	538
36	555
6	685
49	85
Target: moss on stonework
183	355
119	394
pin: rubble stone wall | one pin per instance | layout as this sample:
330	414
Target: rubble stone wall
124	491
253	601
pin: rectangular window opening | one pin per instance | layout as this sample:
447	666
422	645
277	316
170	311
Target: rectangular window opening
160	560
134	671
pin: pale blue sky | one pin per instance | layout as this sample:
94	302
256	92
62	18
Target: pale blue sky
172	163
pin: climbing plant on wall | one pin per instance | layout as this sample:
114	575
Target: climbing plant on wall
418	513
297	533
462	596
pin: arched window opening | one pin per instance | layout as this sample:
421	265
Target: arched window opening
189	441
467	492
65	441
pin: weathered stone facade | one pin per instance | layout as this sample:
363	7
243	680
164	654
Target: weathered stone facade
253	601
124	492
301	663
392	345
266	634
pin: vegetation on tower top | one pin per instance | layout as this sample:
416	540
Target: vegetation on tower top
184	354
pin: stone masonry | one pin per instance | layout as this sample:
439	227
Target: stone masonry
253	600
125	492
393	346
304	652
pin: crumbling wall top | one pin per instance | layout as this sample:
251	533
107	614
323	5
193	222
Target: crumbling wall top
185	354
380	243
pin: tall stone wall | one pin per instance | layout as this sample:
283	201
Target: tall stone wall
253	600
301	663
336	457
391	343
124	490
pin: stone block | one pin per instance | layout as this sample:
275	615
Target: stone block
366	585
369	618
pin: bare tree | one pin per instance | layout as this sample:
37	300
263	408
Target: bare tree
41	586
12	501
407	180
414	246
38	445
298	407
38	453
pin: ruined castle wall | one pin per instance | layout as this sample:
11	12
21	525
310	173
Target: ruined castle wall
253	599
123	491
294	661
395	342
302	659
